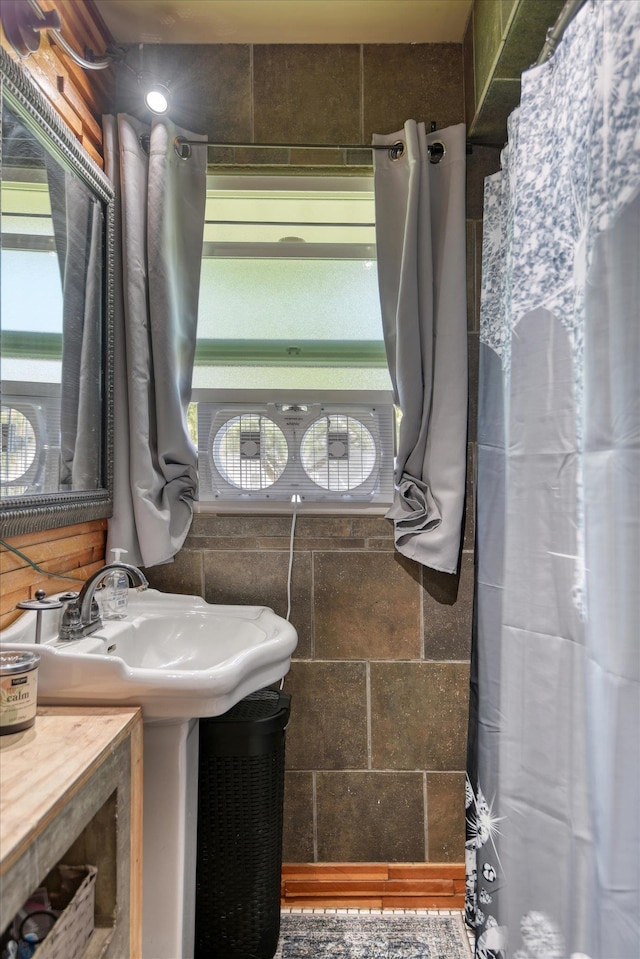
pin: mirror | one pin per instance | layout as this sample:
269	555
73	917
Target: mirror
57	210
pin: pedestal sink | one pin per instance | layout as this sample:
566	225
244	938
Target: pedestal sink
179	658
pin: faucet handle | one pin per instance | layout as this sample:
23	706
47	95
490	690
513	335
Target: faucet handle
71	621
68	597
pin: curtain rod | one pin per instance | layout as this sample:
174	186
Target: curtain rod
436	150
556	32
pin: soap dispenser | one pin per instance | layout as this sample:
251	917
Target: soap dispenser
116	591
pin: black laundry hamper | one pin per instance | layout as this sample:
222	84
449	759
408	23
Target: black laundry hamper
240	801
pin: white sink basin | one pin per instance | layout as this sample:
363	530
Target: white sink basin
176	656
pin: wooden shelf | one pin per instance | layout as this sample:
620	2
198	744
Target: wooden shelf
99	943
71	790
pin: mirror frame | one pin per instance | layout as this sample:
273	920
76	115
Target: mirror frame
42	511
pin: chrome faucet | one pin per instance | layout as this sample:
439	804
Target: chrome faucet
81	614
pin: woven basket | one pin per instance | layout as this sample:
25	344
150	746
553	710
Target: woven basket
72	889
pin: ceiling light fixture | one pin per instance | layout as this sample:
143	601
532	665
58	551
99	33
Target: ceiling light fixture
157	98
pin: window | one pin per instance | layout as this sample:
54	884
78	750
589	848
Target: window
289	290
31	337
291	381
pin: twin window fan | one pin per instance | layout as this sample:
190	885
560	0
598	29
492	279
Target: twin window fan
297	451
29	441
302	451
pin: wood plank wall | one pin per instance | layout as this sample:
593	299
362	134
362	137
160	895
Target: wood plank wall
80	97
75	551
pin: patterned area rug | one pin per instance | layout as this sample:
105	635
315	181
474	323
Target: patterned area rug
370	936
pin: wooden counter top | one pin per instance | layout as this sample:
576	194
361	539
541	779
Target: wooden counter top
42	768
71	791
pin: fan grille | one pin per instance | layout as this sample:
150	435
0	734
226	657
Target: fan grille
338	452
19	446
250	451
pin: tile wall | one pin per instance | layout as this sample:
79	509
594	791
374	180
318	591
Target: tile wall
376	743
503	38
299	93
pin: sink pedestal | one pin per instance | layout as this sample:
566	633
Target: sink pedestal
169	838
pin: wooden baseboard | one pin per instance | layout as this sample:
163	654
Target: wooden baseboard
374	885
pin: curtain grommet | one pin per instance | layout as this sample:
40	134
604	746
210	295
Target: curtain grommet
437	151
396	150
182	148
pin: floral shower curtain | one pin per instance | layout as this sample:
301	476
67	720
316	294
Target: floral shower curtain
553	836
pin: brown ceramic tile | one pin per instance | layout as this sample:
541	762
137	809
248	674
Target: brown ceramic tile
260	578
329	526
482	162
445	817
220	156
370	817
306	93
233	542
372	526
272	532
229	524
448	612
420	81
299	543
419	715
366	606
469	73
317	157
526	36
380	544
328	726
359	158
183	576
490	123
259	156
487	38
210	87
506	8
297	831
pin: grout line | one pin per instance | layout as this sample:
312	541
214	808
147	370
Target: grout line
368	698
463	662
361	93
251	97
312	614
426	816
423	638
314	802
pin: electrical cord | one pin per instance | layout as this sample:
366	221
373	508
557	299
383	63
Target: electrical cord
38	569
295	500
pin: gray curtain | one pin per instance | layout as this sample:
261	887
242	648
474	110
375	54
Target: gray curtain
78	223
420	238
553	835
160	222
